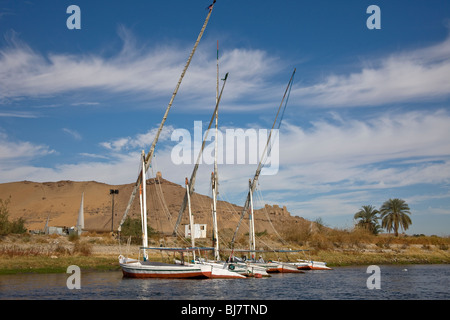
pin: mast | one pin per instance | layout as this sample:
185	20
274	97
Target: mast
214	214
252	225
149	157
259	168
191	218
194	171
144	207
215	177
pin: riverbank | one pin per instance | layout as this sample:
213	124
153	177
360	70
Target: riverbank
53	254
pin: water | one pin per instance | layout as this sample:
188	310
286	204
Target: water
410	282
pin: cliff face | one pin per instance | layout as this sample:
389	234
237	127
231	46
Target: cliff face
60	202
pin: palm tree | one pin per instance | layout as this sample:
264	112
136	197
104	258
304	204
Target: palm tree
367	216
394	214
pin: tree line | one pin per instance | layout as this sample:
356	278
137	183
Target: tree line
394	215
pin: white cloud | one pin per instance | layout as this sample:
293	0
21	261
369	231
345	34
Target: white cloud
18	114
358	142
149	72
140	141
12	151
409	76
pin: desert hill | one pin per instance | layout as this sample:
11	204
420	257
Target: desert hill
60	202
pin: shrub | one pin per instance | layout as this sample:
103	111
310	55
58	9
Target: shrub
74	237
132	228
6	226
82	248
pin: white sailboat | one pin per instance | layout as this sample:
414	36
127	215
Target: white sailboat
135	268
272	266
216	270
310	265
144	268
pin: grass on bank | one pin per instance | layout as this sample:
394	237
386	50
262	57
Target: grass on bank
27	253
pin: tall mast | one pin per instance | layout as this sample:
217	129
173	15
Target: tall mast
252	224
215	182
258	170
191	218
152	149
194	171
216	173
144	207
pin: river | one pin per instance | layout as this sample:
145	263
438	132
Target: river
405	282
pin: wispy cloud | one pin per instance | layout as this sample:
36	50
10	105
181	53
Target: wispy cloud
390	150
18	114
12	151
141	140
85	104
149	72
73	133
421	74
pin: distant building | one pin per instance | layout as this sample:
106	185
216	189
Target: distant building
199	231
56	230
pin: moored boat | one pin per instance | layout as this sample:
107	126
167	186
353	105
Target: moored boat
133	268
311	265
145	268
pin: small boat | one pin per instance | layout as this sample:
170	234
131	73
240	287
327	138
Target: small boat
133	268
311	265
151	269
221	270
285	268
248	269
276	266
137	268
272	266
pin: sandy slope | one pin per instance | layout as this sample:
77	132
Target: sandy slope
60	201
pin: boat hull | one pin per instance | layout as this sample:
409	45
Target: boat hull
312	265
141	269
218	271
276	267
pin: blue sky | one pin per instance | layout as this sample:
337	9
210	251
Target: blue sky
368	117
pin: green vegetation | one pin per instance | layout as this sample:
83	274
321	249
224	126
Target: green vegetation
362	244
6	226
393	215
368	219
46	264
132	229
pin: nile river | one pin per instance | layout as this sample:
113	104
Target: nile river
405	282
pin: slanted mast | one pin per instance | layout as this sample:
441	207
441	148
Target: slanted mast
258	170
215	176
149	156
144	207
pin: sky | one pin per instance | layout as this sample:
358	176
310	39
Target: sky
367	119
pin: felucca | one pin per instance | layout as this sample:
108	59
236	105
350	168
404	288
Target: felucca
144	268
271	266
